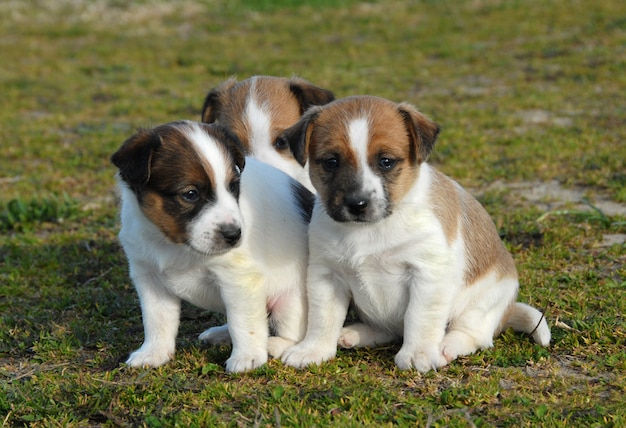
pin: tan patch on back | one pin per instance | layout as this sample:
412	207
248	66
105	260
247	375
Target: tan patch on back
484	249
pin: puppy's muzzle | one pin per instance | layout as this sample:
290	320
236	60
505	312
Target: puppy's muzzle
231	233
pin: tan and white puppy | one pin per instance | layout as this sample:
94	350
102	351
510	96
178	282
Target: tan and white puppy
259	109
417	255
197	226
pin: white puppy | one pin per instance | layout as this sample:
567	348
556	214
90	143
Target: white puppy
258	109
419	257
196	227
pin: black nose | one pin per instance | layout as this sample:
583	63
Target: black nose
231	233
357	204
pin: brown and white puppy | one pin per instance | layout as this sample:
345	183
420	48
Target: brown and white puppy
417	255
259	109
197	226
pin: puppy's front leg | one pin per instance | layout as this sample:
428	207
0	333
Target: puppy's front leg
425	322
160	310
328	306
289	319
248	327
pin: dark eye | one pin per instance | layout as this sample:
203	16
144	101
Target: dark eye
330	164
281	143
234	187
191	196
385	164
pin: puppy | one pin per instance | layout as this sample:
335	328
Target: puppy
197	226
417	255
258	109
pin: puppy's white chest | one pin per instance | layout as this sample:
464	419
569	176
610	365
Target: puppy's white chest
379	287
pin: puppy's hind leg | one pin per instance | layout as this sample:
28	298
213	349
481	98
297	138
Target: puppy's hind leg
216	335
361	335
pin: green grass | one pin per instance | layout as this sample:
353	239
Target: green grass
524	91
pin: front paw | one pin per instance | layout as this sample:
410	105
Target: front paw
150	356
303	355
245	361
276	345
216	335
420	360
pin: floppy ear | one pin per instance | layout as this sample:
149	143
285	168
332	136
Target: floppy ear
308	94
134	157
230	141
299	134
213	100
422	131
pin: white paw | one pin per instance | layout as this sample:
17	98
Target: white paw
276	346
243	362
349	338
150	356
420	361
304	355
216	335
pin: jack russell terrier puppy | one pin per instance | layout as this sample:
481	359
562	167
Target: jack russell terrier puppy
198	226
417	255
259	109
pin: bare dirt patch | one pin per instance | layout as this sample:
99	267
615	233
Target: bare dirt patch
552	197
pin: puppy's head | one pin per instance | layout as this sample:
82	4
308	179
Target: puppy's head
185	176
364	153
258	109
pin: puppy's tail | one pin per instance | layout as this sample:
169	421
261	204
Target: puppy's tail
526	319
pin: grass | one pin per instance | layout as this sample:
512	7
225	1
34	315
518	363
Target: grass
524	91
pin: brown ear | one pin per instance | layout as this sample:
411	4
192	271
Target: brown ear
134	157
230	141
308	94
298	135
422	131
213	101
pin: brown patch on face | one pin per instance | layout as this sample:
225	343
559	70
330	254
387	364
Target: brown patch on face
226	106
274	95
390	141
176	172
327	139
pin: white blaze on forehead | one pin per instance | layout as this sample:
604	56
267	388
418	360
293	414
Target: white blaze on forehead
259	122
204	229
359	136
211	152
358	133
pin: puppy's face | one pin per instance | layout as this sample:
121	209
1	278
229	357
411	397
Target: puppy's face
186	176
258	109
364	153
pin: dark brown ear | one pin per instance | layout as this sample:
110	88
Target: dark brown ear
299	134
422	131
134	157
308	94
213	100
230	141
